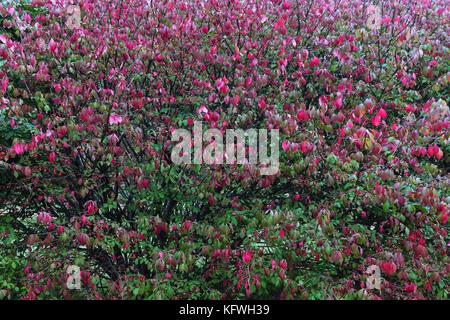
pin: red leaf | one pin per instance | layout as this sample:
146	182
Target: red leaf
376	121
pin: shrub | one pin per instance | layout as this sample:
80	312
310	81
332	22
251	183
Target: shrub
360	101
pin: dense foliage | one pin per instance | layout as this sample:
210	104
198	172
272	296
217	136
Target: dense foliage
86	176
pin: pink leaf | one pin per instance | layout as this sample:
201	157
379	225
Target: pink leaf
247	256
376	121
18	148
314	62
202	109
287	5
115	119
4	84
52	45
302	115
